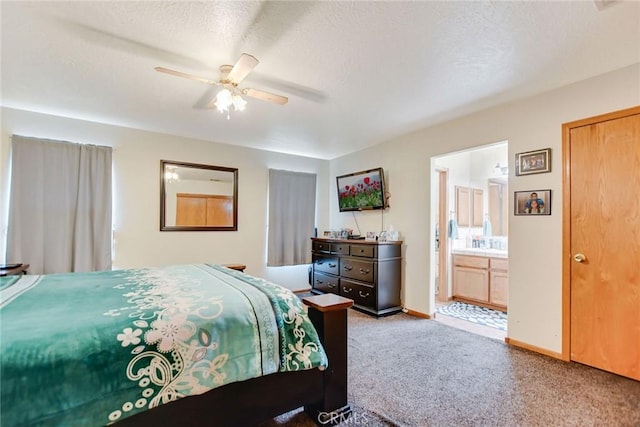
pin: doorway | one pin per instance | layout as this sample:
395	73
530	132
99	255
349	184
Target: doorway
470	212
601	242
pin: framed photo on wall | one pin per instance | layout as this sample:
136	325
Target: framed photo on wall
531	162
533	202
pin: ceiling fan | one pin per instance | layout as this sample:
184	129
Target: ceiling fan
230	78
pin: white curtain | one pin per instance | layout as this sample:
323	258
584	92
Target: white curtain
292	207
59	206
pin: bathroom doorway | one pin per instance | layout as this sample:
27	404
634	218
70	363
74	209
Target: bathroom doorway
471	211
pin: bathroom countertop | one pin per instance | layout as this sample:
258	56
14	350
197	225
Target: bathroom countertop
494	253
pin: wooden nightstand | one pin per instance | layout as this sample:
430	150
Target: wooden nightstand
239	267
20	269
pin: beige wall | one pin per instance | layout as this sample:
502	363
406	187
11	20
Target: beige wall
534	246
136	170
535	280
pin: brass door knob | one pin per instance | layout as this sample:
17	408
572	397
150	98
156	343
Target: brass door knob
579	258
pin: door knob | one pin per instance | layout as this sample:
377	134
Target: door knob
579	258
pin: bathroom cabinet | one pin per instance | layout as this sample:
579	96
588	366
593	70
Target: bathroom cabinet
481	280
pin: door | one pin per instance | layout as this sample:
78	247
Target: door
603	257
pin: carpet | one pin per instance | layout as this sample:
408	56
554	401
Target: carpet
475	314
406	371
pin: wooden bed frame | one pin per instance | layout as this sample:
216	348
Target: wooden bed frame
322	393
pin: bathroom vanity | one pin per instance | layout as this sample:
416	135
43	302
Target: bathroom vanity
481	277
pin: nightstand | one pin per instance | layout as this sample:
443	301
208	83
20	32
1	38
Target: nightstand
18	269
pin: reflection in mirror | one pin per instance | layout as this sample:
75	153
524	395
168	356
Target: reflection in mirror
499	206
197	197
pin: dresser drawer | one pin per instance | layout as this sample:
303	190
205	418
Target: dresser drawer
471	261
361	294
325	264
326	283
362	250
322	247
340	248
357	269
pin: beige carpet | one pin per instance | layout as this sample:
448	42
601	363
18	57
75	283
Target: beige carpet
406	371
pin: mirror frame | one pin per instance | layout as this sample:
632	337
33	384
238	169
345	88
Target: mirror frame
163	204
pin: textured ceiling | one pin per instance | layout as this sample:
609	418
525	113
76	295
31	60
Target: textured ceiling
356	73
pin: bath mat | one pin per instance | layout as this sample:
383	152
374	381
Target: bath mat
475	314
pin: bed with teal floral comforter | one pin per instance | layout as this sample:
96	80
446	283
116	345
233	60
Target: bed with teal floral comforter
89	349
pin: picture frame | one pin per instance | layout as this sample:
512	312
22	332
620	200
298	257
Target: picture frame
382	237
532	202
371	235
532	162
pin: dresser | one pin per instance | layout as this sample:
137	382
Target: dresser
367	272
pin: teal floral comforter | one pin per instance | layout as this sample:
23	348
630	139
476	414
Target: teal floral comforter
89	349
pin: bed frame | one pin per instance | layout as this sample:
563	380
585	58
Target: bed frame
322	393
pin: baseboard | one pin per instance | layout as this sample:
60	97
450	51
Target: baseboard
416	313
520	344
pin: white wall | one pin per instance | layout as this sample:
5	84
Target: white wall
535	264
136	170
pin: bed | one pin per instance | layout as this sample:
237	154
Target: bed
178	345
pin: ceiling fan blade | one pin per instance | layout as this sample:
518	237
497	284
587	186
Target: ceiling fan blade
242	68
187	76
266	96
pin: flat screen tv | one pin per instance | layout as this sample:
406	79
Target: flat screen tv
361	190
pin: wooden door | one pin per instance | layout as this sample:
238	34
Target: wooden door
220	211
603	257
191	209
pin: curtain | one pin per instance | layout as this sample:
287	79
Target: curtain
59	206
292	207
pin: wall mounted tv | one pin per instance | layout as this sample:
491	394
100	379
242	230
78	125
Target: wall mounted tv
361	190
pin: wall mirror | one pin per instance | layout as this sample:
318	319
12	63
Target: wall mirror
197	197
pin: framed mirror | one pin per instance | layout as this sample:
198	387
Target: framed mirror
196	197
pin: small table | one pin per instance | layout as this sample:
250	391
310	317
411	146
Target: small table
21	269
238	267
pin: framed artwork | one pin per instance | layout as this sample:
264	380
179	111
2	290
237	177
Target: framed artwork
371	235
533	202
531	162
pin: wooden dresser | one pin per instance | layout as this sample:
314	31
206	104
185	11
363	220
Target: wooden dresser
367	272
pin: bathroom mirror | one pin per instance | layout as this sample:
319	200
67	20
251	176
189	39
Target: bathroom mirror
196	197
499	206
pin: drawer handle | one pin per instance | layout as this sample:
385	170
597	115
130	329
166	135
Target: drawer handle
319	262
348	267
364	271
363	294
332	285
347	290
332	265
319	282
361	251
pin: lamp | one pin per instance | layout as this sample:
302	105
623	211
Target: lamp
227	97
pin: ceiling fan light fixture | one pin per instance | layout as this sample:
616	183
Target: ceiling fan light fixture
239	104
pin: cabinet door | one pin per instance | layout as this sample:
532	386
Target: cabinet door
463	207
499	283
478	207
471	283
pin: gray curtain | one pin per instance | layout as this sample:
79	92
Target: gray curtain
292	208
59	206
